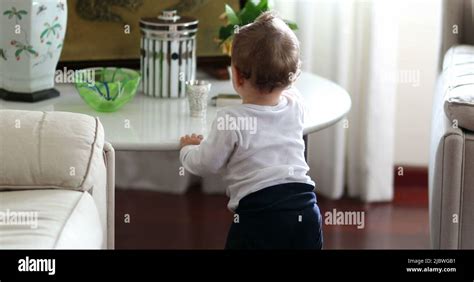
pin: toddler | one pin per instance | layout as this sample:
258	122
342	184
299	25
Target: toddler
258	146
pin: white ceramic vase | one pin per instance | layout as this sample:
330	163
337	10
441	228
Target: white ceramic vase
31	39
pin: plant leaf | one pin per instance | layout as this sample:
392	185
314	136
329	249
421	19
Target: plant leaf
19	16
226	32
18	52
249	13
263	5
22	12
291	25
8	12
231	15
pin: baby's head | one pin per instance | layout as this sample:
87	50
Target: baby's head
265	56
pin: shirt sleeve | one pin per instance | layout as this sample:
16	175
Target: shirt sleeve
212	154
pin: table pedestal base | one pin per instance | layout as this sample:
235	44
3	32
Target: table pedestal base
160	171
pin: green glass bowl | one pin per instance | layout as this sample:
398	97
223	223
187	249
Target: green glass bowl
107	89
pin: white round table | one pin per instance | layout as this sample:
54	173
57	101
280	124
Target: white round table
156	124
145	133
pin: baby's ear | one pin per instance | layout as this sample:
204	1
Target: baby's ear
237	76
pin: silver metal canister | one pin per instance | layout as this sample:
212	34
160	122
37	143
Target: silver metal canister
168	54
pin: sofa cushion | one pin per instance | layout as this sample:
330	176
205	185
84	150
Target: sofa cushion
49	219
50	150
458	55
458	75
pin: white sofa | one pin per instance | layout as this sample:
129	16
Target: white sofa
56	182
452	139
452	153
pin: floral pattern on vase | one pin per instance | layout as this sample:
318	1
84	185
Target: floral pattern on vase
31	39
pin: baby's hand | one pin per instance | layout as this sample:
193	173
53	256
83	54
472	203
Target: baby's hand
190	140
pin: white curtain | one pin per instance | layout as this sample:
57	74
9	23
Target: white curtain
354	43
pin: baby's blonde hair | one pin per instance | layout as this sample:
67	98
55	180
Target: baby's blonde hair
267	53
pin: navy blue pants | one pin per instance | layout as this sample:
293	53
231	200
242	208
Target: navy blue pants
284	216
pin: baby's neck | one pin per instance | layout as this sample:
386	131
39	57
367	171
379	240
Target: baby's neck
270	99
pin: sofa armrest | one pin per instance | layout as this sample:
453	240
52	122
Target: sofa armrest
104	197
109	154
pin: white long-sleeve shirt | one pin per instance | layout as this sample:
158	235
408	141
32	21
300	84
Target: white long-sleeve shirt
253	147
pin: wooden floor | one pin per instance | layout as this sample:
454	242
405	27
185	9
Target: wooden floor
198	221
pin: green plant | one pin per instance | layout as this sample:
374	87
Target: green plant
234	20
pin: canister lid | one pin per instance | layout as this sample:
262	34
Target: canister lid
169	21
